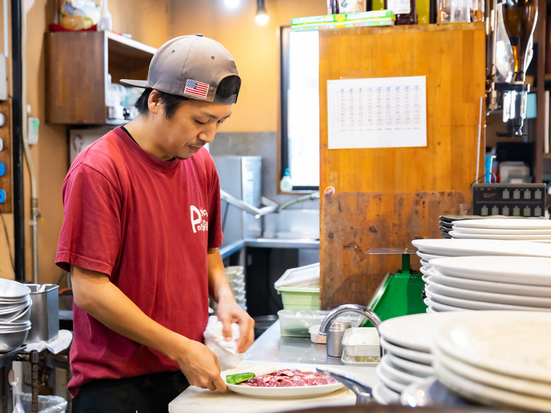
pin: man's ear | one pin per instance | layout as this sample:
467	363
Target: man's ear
154	102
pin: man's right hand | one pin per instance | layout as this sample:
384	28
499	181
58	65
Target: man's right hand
200	365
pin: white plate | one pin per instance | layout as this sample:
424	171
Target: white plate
287	392
489	395
416	356
487	377
384	395
478	305
437	307
534	238
515	270
431	310
488	286
473	247
513	343
391	384
428	257
398	375
418	369
425	263
499	231
529	224
414	332
488	297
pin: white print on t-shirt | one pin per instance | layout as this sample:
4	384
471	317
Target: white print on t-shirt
197	221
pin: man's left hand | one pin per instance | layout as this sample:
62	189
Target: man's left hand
229	312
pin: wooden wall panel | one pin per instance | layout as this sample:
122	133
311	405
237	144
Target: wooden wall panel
386	197
75	77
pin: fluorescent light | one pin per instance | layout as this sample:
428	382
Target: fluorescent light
261	14
232	4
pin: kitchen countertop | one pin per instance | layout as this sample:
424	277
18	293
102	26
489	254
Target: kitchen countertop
270	347
299	243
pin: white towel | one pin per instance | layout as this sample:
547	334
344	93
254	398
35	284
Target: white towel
226	351
55	345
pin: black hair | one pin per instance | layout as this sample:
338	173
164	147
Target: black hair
227	87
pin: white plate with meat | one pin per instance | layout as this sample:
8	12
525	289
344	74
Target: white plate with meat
284	383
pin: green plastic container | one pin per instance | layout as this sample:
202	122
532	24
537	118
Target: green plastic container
398	295
300	298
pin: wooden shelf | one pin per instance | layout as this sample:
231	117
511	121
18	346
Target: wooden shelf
547	156
77	69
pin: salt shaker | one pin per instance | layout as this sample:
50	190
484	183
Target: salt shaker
334	337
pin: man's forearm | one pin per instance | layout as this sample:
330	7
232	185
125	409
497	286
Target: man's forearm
95	294
219	289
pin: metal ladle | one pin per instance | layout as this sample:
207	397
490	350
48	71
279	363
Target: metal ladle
362	391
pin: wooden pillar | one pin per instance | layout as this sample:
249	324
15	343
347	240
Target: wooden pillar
386	197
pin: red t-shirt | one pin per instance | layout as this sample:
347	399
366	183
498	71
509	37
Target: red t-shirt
147	224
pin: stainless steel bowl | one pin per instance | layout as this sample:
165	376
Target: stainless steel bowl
13	289
12	340
21	317
15	326
8	312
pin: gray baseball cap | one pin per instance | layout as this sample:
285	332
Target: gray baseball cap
190	66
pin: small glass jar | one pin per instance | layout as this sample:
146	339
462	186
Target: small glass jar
454	11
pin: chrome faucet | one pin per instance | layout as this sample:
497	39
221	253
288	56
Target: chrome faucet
354	308
334	346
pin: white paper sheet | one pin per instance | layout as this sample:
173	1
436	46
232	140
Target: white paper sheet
377	113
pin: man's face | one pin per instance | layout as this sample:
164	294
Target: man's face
193	124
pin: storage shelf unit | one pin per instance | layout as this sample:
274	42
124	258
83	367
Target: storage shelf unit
541	78
77	68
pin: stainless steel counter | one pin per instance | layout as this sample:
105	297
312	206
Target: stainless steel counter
271	347
300	243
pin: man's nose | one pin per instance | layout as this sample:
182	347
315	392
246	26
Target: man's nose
207	135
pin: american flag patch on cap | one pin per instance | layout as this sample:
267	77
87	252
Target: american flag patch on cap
195	88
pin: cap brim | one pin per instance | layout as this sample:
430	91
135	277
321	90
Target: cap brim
134	83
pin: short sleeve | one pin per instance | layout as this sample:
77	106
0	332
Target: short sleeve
215	220
91	232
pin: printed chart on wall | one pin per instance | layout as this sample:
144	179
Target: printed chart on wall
377	113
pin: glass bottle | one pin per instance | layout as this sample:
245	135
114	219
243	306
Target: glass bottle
423	11
105	19
519	19
405	11
286	185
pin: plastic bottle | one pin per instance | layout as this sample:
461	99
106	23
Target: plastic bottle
286	184
105	19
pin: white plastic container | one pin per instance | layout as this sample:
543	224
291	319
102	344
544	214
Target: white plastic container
296	323
361	346
315	337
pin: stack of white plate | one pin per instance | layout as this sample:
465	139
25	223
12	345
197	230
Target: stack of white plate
430	249
15	312
236	279
535	230
408	357
488	283
497	358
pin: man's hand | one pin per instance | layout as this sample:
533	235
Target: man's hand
229	312
200	366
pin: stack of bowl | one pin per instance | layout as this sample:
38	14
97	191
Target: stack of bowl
236	278
407	342
15	311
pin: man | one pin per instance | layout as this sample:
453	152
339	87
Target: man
140	236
